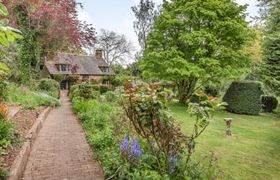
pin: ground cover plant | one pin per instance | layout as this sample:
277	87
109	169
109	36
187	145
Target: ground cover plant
8	135
28	99
251	153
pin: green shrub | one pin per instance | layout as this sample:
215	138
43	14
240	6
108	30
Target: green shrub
269	103
3	89
104	89
95	87
244	97
110	96
7	135
50	87
84	91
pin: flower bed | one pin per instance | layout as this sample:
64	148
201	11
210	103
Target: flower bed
138	138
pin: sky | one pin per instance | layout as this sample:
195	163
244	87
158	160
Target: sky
116	15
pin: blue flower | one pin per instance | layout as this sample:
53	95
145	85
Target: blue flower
172	161
124	145
136	150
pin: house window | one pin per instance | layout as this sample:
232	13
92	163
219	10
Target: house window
105	82
104	69
63	67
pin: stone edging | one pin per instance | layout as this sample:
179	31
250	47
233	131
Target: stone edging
20	162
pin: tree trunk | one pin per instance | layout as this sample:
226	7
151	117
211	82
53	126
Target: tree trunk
186	89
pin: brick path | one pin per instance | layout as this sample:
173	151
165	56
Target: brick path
61	151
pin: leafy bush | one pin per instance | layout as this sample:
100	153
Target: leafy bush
103	89
170	149
244	97
84	91
110	96
269	103
50	87
3	89
29	99
7	135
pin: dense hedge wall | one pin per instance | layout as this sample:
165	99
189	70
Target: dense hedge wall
244	97
269	103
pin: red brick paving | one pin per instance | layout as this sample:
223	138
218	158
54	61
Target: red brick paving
61	151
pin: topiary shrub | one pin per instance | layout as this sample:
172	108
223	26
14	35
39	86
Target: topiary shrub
269	103
244	97
50	86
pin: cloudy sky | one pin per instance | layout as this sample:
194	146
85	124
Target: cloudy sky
116	15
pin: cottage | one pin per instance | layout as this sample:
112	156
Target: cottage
83	68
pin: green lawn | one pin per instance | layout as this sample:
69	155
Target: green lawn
253	152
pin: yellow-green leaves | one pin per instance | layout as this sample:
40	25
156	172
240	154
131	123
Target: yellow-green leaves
3	10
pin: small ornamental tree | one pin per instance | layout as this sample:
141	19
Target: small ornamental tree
244	97
146	108
196	41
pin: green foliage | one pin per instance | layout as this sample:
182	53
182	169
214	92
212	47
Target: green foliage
29	99
105	127
84	91
7	136
30	55
7	36
119	79
197	40
244	97
50	87
103	89
270	70
269	103
145	107
110	96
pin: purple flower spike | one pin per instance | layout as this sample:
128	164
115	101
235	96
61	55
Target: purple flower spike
124	145
136	149
172	161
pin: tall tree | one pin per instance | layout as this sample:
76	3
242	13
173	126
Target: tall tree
270	70
48	27
196	41
116	48
145	13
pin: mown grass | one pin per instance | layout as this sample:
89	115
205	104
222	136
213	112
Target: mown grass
253	152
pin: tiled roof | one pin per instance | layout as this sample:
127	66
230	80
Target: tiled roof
86	65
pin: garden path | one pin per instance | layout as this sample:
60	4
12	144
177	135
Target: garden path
60	150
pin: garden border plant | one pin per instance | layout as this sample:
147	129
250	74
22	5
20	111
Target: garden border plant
146	109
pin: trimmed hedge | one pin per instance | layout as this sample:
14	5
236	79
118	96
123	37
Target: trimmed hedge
244	97
50	86
269	103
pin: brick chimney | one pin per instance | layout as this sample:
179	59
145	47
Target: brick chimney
98	54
